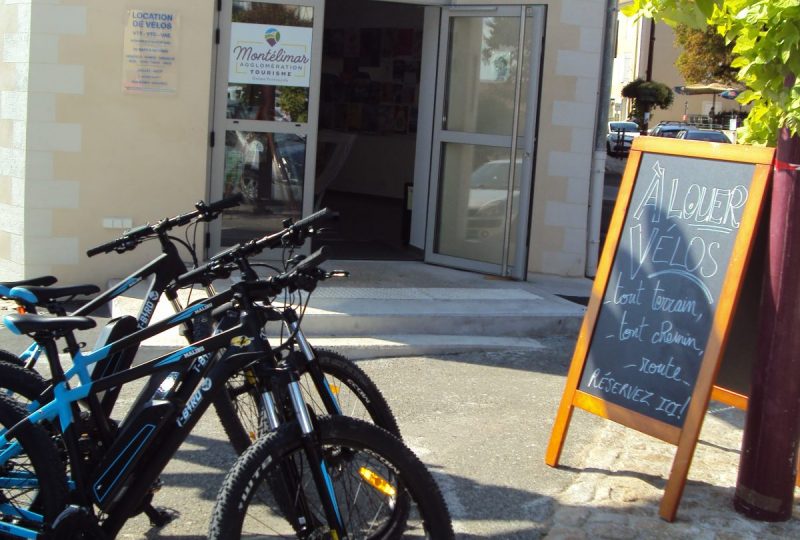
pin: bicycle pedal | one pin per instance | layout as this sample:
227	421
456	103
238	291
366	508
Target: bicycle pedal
159	516
76	522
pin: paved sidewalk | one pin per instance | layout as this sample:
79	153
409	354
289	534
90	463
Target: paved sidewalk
481	422
622	475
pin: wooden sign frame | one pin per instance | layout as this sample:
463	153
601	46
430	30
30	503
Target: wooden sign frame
684	437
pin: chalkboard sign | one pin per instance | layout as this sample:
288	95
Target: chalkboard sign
674	260
657	312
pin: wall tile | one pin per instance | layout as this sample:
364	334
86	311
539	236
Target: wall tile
51	251
52	194
61	79
54	136
58	19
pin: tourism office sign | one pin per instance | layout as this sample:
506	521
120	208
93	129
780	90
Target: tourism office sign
270	55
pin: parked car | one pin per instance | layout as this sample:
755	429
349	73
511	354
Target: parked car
668	129
488	193
620	137
699	134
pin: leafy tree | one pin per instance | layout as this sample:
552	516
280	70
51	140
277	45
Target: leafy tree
646	95
704	57
765	40
294	102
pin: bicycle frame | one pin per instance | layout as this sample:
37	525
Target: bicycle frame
202	374
134	457
135	464
165	268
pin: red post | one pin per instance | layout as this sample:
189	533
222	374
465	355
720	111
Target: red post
765	487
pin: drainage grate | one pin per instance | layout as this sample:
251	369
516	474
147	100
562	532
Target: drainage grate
582	300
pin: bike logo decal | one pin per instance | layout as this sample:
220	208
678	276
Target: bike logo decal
125	285
181	354
194	402
190	312
241	341
148	308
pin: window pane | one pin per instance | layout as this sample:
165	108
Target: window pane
482	74
268	169
472	209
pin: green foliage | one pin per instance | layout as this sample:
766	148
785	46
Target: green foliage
765	35
646	95
704	57
294	102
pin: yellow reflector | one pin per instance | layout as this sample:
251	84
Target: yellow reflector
334	389
252	435
377	482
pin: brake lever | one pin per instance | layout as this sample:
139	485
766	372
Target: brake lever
291	262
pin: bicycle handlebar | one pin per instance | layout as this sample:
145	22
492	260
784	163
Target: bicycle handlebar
217	266
312	261
223	204
299	277
321	215
133	237
127	241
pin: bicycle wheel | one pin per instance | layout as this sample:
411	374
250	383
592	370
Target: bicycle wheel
11	358
24	385
382	489
33	484
358	397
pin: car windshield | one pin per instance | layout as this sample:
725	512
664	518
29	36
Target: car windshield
669	132
713	136
623	126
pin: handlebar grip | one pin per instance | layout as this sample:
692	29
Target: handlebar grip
197	275
227	202
321	215
225	255
313	260
132	235
103	248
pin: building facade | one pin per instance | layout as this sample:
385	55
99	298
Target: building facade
640	43
455	133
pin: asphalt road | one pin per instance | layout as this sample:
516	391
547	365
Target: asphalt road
479	420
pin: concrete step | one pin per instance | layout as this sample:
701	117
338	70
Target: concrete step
361	348
457	315
364	311
387	309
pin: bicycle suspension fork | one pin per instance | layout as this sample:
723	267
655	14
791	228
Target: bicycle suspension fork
316	460
320	381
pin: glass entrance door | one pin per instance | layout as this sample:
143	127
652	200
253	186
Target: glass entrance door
266	100
482	163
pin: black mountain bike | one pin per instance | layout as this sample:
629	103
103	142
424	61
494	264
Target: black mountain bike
113	469
238	408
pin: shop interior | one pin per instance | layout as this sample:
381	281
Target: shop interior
367	127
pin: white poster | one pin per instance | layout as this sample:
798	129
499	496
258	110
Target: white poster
269	54
149	52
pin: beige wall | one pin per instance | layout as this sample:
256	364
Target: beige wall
665	54
631	62
567	114
94	152
14	62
